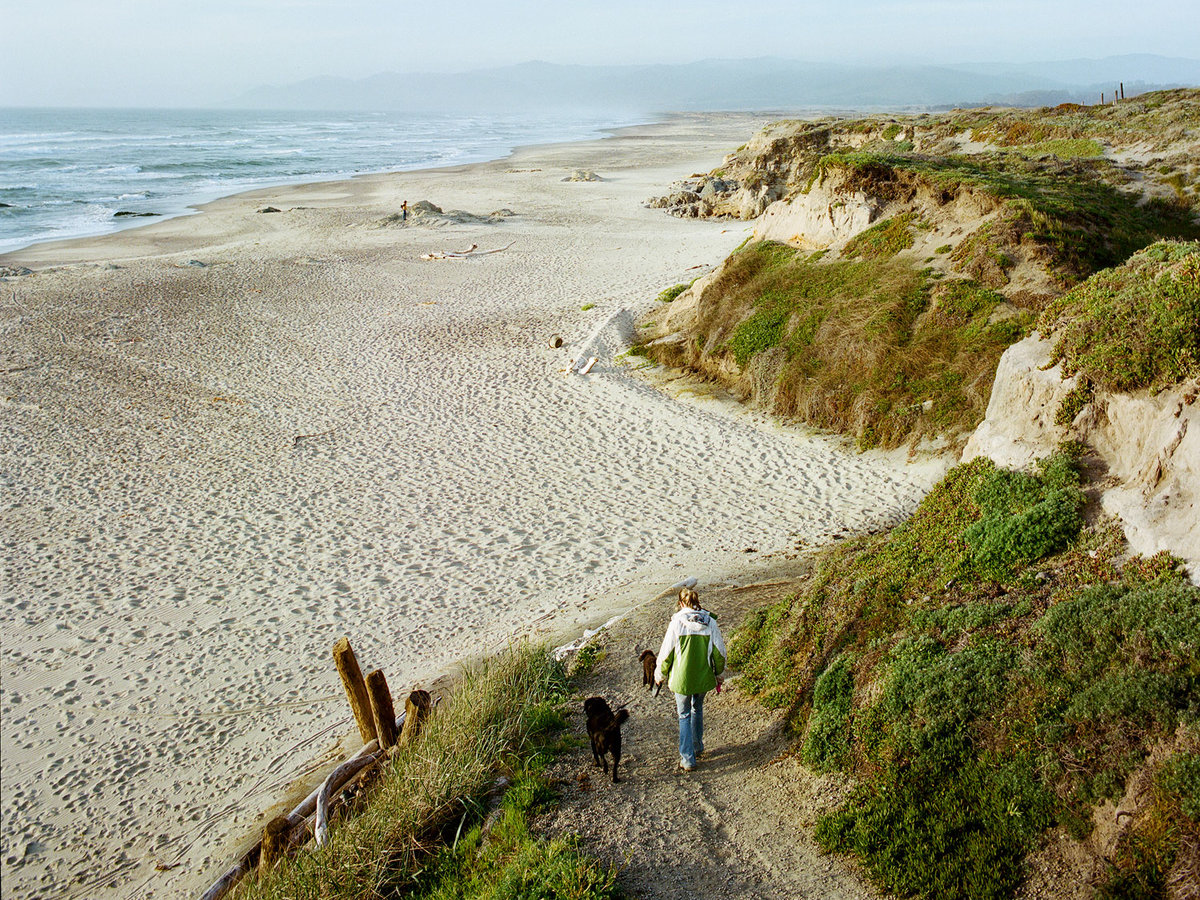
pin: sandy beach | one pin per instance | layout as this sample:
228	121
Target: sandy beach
229	439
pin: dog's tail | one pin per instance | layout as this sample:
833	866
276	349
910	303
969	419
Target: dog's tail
621	716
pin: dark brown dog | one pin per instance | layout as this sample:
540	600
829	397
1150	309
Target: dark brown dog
649	662
604	728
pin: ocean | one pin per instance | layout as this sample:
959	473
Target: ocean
71	172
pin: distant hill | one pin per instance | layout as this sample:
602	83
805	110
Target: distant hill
767	84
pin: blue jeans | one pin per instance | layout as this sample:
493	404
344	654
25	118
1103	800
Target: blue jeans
691	726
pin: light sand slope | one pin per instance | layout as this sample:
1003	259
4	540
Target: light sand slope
177	564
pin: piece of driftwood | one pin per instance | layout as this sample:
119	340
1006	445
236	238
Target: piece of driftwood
335	782
236	873
473	250
382	710
305	437
416	710
356	688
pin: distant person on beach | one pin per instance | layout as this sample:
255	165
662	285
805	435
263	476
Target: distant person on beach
404	211
692	658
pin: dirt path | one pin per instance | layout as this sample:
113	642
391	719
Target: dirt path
740	825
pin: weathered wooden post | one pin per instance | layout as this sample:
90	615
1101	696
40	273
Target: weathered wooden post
356	688
1102	98
416	711
381	709
1122	90
274	842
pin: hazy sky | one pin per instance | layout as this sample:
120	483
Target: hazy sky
171	52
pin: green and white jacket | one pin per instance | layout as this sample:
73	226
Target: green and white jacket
692	653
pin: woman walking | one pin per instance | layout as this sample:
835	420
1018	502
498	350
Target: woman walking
691	658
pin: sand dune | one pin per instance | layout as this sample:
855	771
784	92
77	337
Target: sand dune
232	438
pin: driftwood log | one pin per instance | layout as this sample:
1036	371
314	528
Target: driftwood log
356	688
229	880
473	250
338	779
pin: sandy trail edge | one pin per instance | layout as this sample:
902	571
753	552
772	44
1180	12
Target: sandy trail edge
177	564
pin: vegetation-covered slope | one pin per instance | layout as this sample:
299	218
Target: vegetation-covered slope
1150	141
988	671
871	347
905	255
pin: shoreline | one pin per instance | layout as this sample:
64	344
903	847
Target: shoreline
219	469
199	207
185	205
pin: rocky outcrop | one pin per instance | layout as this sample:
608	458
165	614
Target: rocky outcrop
1149	444
428	215
702	197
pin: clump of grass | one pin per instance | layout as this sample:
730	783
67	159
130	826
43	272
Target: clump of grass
883	239
1073	402
940	819
510	863
496	723
873	347
1180	776
1134	326
1022	519
671	293
585	659
985	255
1069	211
827	745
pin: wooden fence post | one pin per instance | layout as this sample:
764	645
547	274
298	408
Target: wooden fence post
416	711
274	842
356	688
382	709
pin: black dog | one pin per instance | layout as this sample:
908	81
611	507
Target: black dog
604	728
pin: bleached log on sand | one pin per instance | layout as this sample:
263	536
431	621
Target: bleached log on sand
471	251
